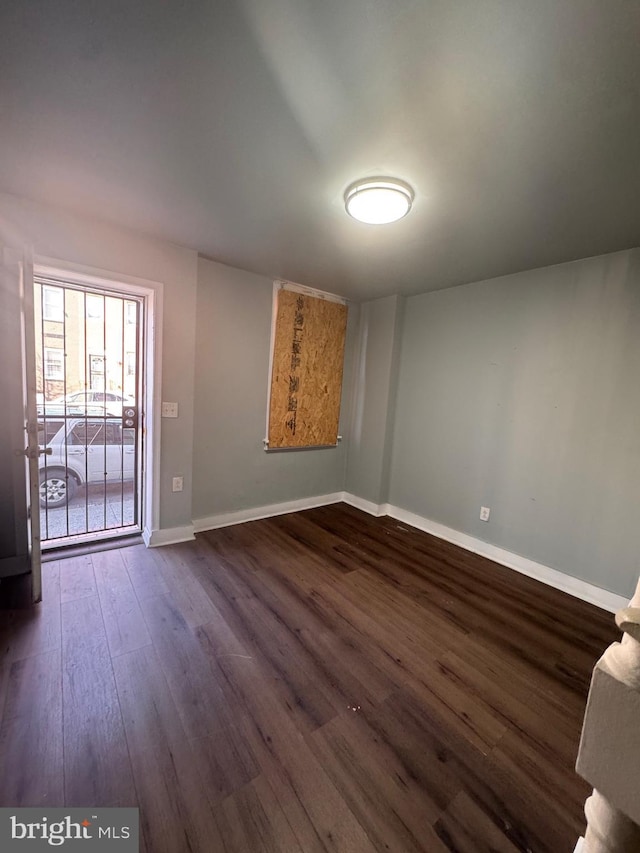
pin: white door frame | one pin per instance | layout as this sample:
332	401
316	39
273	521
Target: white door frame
16	288
29	396
152	292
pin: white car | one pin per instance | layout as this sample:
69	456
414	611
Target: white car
77	451
86	403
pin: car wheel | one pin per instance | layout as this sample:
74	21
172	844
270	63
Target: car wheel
57	487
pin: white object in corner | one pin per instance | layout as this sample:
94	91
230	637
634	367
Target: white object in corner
168	535
552	577
579	845
364	505
225	519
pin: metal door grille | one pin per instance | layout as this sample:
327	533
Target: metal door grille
89	384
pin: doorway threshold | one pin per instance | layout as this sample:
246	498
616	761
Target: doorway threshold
76	546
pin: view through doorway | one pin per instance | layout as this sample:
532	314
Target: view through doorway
89	380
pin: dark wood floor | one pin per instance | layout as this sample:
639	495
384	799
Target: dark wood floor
318	681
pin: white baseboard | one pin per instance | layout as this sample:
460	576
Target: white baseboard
225	519
167	536
552	577
364	505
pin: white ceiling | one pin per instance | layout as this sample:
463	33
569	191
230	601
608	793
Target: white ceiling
234	128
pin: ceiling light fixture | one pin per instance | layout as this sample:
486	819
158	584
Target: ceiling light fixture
378	201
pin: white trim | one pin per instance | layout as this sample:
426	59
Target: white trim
225	519
579	845
152	293
552	577
282	284
72	273
364	505
168	535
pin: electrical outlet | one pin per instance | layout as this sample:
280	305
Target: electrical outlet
178	484
485	512
169	410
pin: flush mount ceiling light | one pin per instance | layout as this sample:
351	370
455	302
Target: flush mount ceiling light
377	201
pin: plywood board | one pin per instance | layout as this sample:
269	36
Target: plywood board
306	376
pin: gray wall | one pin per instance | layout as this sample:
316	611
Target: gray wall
373	398
523	394
232	470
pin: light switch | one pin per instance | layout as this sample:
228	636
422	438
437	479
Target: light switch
169	410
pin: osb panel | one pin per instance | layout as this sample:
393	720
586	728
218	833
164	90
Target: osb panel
306	378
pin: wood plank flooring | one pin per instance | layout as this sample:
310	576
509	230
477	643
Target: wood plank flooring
321	681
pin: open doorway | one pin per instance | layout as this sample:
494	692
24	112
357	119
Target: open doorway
90	376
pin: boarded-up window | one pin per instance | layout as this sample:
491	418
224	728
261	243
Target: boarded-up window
306	375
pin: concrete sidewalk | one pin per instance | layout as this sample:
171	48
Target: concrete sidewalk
91	509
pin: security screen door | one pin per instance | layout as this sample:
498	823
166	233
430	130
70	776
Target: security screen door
89	385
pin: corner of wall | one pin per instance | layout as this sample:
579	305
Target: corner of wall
168	535
373	398
394	370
